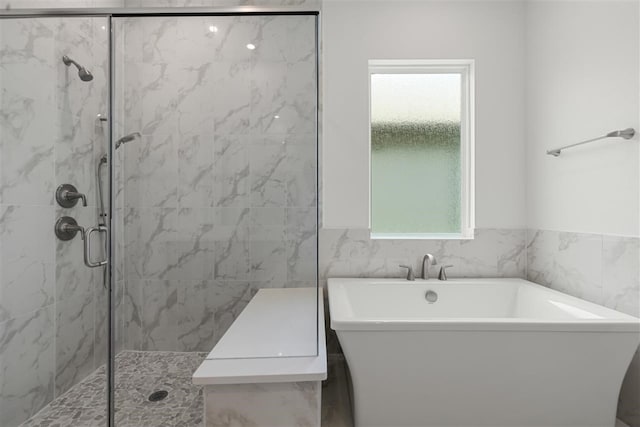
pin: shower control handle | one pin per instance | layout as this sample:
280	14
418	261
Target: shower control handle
66	228
88	258
67	196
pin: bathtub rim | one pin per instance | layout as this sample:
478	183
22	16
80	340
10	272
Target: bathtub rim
340	321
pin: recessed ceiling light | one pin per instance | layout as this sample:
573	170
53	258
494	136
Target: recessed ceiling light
251	46
213	28
276	117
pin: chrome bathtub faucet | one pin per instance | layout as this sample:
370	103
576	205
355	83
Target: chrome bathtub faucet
443	272
410	275
427	261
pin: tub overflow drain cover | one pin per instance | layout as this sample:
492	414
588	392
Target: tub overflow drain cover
431	296
157	396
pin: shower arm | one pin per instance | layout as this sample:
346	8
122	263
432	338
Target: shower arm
68	61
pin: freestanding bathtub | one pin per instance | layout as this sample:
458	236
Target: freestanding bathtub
486	352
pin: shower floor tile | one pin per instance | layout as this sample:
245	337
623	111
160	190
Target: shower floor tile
138	374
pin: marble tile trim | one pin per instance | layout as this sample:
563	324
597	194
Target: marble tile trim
273	404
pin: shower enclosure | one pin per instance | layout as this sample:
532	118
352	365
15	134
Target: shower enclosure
157	168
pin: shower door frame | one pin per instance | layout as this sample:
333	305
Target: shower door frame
109	14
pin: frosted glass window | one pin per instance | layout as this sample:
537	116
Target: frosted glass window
420	149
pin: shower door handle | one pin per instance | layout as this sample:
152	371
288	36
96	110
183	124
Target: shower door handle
88	259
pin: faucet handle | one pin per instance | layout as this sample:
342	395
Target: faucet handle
410	275
67	196
443	272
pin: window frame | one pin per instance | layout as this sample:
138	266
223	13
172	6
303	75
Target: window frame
466	69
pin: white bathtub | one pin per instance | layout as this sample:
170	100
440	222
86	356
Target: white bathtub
488	352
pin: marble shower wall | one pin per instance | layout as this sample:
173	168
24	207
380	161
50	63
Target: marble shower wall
219	193
603	269
52	307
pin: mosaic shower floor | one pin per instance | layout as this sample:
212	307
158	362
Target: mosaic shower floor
138	374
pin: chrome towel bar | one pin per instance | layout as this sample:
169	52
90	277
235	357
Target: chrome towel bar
626	134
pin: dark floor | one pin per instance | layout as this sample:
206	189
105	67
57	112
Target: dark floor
138	374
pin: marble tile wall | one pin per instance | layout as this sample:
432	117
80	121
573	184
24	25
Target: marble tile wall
352	253
603	269
52	314
219	193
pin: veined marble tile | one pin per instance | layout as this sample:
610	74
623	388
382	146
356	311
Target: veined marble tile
152	171
195	171
232	37
29	105
283	97
231	95
301	244
568	262
131	319
301	223
267	224
268	164
207	310
195	244
26	365
352	253
621	273
160	314
232	260
74	340
231	223
268	261
281	404
302	167
27	257
231	172
128	33
286	39
302	256
512	252
151	234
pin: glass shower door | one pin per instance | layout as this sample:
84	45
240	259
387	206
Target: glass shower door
217	196
218	173
53	308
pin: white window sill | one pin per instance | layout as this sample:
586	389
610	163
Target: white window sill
422	236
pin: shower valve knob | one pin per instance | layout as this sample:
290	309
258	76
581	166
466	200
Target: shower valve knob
66	228
67	196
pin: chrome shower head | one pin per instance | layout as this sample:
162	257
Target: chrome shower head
84	74
127	138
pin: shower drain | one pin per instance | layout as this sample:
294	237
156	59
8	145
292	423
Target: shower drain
157	396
